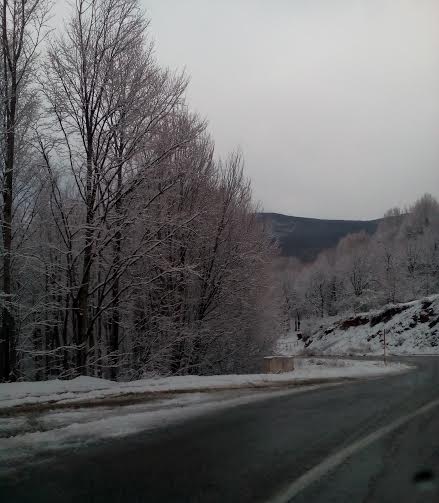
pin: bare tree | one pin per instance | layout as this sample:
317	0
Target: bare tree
22	29
119	117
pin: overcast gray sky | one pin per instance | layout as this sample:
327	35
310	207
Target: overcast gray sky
335	104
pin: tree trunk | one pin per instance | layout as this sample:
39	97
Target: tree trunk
7	343
82	315
115	316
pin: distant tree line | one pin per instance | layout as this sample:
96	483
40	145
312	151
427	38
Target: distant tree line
399	263
127	248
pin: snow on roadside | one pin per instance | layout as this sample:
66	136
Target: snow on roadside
60	430
40	435
90	388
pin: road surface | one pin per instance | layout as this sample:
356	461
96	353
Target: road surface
376	440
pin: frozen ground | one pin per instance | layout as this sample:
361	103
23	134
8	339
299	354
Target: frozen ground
411	329
40	432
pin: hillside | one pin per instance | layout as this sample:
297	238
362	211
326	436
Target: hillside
411	328
305	238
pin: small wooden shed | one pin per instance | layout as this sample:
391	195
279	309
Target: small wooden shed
278	364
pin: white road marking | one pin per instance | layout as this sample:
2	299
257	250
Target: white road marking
336	459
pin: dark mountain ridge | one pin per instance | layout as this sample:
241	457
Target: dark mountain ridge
305	238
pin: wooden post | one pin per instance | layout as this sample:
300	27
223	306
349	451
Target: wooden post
385	355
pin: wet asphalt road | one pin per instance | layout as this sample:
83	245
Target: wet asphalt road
253	452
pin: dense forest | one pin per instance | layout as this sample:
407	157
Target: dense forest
128	248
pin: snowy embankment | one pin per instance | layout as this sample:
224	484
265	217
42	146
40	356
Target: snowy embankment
411	329
87	389
58	414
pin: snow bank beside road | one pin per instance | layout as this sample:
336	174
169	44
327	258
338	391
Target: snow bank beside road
41	433
44	435
89	388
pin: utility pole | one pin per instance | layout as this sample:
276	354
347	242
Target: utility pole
384	341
